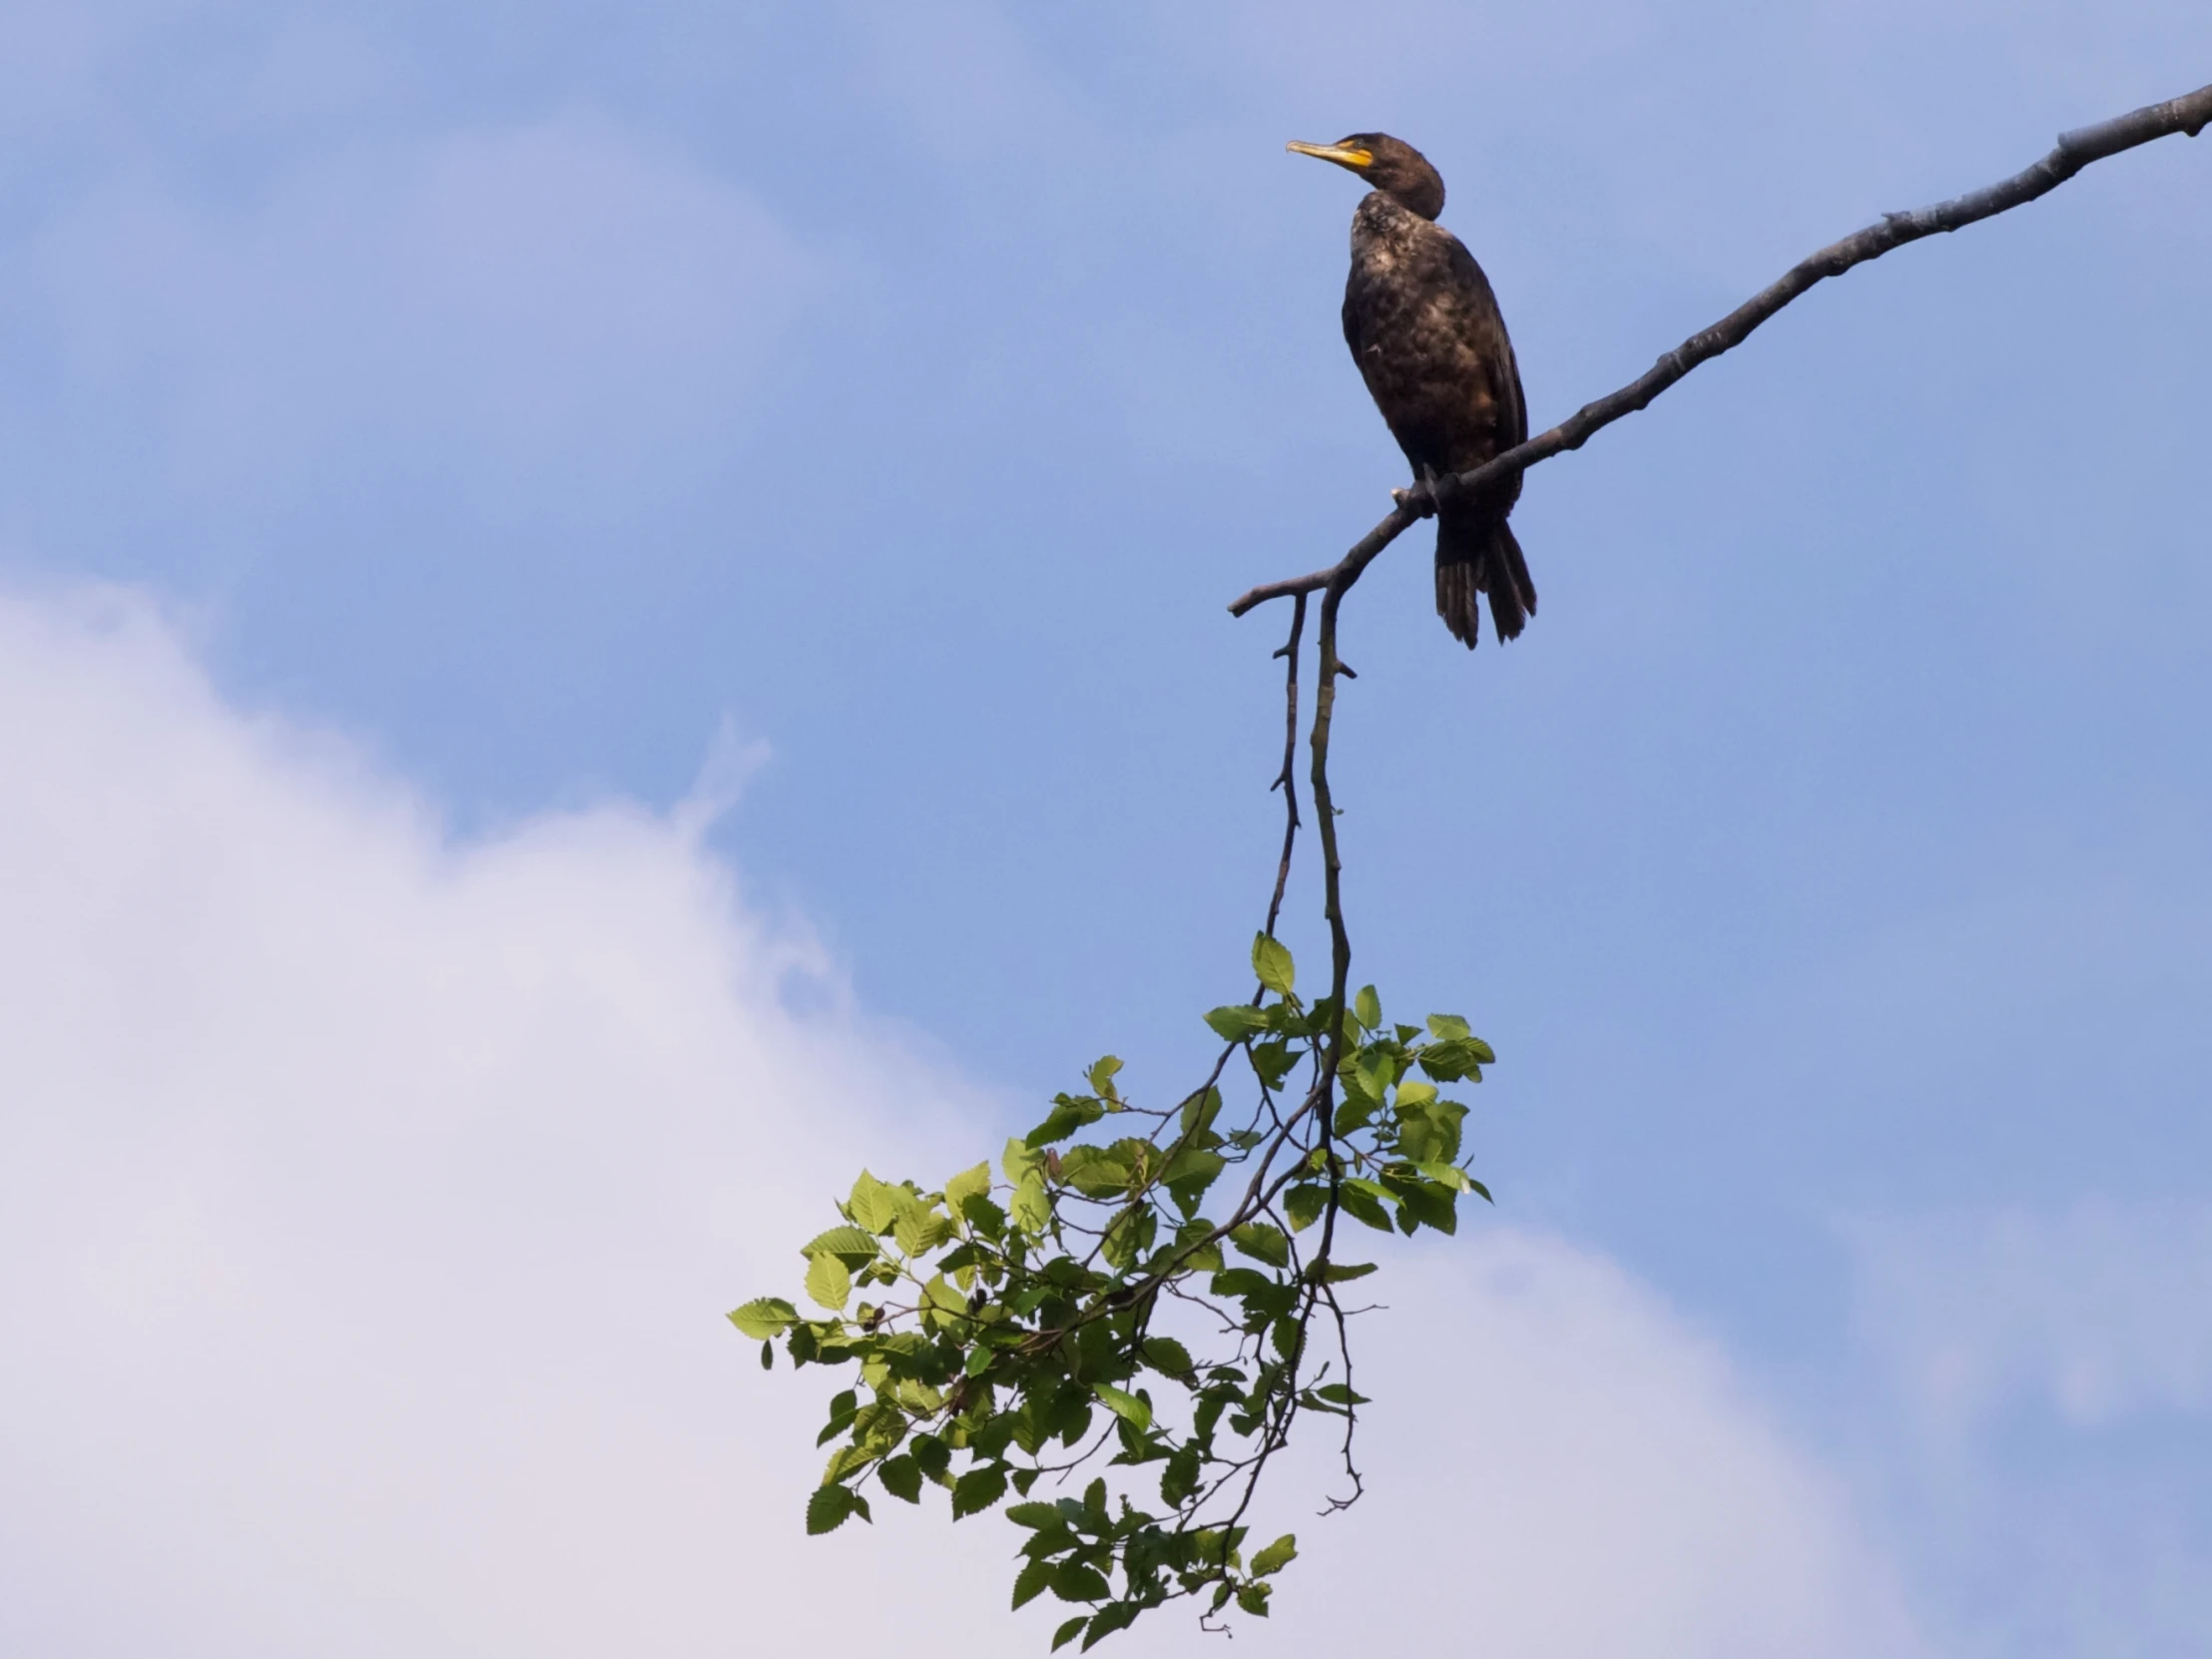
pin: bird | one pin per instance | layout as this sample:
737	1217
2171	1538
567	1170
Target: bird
1425	330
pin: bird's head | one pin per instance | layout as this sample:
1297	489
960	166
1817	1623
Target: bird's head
1389	165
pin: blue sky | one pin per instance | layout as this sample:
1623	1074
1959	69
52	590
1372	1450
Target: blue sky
527	405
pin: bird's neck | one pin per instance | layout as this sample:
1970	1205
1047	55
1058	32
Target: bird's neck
1383	225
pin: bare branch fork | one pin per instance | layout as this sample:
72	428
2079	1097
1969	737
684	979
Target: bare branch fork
2187	114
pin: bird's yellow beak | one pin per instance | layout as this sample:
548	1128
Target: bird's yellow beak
1357	160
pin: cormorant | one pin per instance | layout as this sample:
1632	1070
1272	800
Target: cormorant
1424	329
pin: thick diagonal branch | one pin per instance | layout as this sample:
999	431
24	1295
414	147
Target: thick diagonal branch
2076	150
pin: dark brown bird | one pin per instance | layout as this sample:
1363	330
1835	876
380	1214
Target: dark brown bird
1425	331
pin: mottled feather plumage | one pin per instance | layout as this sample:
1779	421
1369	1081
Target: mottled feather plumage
1427	334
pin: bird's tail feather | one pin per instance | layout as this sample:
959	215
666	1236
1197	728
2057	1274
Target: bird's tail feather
1478	554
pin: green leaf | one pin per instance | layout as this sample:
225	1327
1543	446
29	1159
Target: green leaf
1424	1203
830	1507
1069	1631
767	1357
1366	1200
1032	1205
1449	1028
1108	1620
1271	960
1187	1177
1276	1557
942	1299
918	1228
1034	1514
1167	1356
1338	1272
1302	1205
967	1184
848	1245
1033	1582
983	1216
1101	1075
902	1478
980	1487
1366	1008
1252	1598
763	1317
1096	1171
1274	1060
1199	1113
1263	1243
1339	1393
1353	1115
828	1283
1237	1022
1069	1114
873	1206
1126	1406
1074	1581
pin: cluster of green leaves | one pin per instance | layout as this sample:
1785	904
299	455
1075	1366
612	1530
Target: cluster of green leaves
1012	1330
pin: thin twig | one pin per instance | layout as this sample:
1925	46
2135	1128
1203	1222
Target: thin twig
2188	114
1287	779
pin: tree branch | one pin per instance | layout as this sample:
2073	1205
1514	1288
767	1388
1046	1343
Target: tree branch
2187	114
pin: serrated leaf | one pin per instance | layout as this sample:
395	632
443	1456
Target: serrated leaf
873	1206
1339	1393
1074	1581
1199	1113
1127	1406
1034	1514
828	1283
1449	1028
919	1229
1101	1074
1096	1171
850	1245
977	1489
1070	1114
982	1215
1341	1273
941	1298
1237	1022
1252	1598
1302	1205
902	1478
1032	1205
1167	1356
1271	962
830	1507
1276	1557
1109	1619
763	1317
1263	1243
1033	1582
1069	1631
1191	1176
968	1183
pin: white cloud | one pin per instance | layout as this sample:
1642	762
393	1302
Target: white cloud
369	1201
